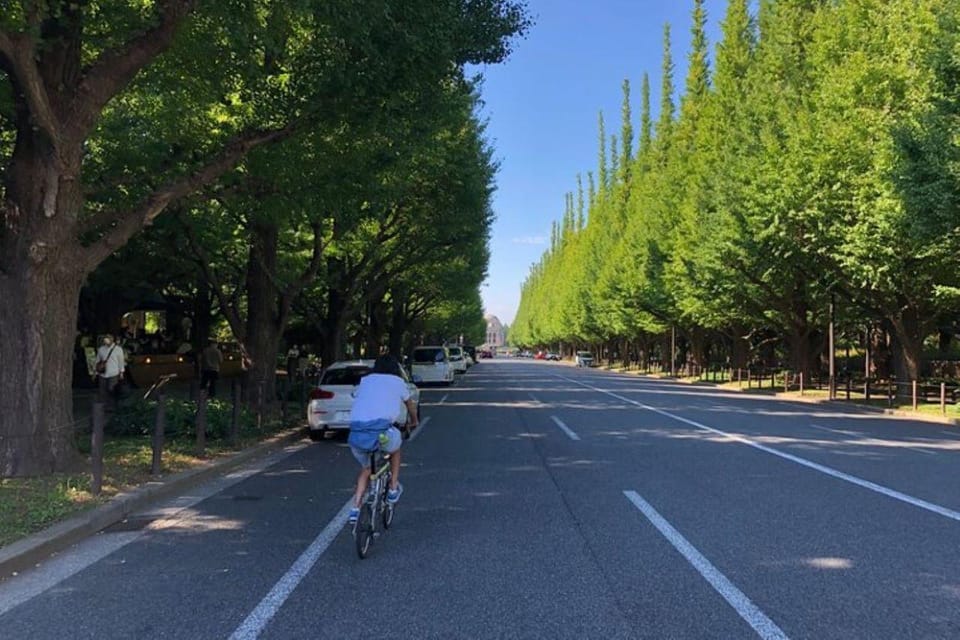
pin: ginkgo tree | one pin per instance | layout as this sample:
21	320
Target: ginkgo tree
110	111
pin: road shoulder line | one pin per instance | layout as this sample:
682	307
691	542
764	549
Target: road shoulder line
751	614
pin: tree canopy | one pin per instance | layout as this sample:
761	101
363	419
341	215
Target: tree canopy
812	159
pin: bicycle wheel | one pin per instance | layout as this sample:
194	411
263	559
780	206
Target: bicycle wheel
387	515
364	531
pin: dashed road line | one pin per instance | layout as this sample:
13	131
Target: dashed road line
444	398
567	430
763	625
840	475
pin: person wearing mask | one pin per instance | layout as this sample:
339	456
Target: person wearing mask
109	366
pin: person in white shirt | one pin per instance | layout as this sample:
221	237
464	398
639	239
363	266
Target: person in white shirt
109	366
377	402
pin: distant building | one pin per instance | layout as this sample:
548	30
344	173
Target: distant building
495	335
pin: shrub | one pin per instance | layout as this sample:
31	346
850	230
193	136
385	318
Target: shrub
137	418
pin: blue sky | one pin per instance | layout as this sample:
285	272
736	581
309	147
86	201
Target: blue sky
542	107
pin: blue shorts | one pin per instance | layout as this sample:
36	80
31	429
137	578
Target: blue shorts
394	441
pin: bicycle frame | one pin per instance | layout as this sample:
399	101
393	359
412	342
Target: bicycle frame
375	509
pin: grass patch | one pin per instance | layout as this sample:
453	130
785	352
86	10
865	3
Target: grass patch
29	505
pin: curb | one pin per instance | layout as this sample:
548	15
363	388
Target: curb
34	549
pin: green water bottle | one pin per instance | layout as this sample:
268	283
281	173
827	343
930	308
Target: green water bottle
383	439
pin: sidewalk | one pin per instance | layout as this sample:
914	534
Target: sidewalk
35	549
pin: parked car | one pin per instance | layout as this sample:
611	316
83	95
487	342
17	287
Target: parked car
486	353
584	359
432	365
540	355
331	401
457	360
553	356
472	352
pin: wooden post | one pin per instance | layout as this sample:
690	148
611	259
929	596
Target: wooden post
201	423
866	389
235	413
891	387
801	383
159	424
96	448
914	385
260	405
739	378
849	382
943	398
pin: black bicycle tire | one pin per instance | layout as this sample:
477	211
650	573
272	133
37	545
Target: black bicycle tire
386	515
364	534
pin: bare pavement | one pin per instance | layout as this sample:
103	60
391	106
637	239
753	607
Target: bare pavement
544	501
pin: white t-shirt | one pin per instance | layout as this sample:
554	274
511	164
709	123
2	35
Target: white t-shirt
379	396
113	356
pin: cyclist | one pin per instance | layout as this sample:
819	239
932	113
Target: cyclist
376	402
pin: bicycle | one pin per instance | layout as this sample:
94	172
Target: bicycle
375	508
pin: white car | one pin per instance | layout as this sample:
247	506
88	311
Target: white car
432	365
584	359
331	401
457	359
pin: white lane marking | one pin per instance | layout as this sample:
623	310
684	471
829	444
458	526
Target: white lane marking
260	617
534	398
444	398
949	433
567	430
840	475
764	626
867	439
420	427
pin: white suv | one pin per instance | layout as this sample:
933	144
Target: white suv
584	359
331	401
458	359
432	364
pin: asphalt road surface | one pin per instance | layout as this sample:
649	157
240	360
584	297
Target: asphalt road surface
544	501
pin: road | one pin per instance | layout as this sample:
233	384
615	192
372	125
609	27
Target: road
544	501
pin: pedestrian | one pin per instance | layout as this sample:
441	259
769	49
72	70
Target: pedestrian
210	361
293	358
109	367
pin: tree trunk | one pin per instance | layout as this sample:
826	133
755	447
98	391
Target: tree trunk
40	280
398	324
263	331
907	348
38	324
739	348
376	327
698	346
